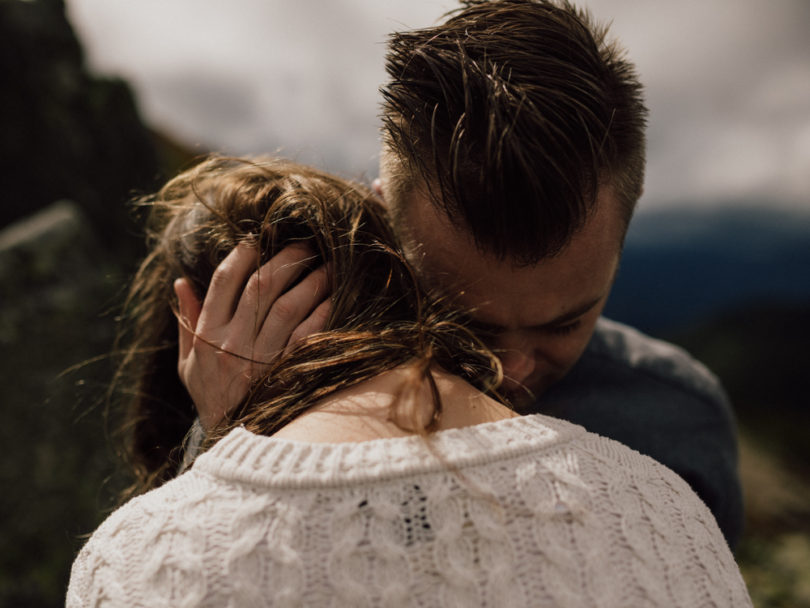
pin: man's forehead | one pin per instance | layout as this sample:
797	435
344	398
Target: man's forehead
425	222
500	292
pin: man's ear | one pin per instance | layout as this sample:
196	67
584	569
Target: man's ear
189	306
376	185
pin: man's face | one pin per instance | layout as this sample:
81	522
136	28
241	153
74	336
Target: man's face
537	319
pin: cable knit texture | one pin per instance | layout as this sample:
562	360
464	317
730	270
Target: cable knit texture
529	511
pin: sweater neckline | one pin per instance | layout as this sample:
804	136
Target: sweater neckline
268	461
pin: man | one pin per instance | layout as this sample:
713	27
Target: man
513	157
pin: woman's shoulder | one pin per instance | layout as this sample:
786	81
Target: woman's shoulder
118	556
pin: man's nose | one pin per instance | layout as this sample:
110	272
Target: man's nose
518	362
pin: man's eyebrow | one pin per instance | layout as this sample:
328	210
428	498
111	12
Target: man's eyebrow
570	315
560	320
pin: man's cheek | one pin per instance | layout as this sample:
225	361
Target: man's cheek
564	352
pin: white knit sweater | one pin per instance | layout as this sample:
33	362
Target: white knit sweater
528	511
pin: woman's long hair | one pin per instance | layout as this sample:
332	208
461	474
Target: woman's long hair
380	316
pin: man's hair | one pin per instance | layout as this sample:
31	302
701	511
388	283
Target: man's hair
510	116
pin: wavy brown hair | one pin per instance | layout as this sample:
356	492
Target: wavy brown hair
380	316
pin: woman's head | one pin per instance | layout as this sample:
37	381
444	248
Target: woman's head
380	318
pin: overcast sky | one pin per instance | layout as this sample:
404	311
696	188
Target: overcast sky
728	82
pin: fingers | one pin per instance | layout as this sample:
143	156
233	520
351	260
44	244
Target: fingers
248	312
268	282
226	285
313	324
291	309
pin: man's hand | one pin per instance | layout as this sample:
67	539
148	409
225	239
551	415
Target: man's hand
227	341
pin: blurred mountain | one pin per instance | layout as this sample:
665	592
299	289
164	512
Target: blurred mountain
681	266
68	134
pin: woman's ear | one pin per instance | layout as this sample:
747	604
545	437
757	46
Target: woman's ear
189	308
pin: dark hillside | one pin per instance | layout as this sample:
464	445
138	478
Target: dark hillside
67	134
761	353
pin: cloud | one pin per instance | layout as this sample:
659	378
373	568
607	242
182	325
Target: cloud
728	84
182	101
254	76
728	81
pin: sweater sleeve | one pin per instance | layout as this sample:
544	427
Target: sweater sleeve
77	596
145	554
96	577
94	580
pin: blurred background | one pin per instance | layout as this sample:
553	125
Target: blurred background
102	100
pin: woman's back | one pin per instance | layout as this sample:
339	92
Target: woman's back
528	511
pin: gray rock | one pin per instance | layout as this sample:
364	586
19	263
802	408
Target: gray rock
32	249
57	286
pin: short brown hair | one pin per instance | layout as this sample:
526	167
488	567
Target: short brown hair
380	317
511	114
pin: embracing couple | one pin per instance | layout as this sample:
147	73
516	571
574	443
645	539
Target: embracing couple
388	386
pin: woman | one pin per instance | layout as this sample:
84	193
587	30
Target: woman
373	463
